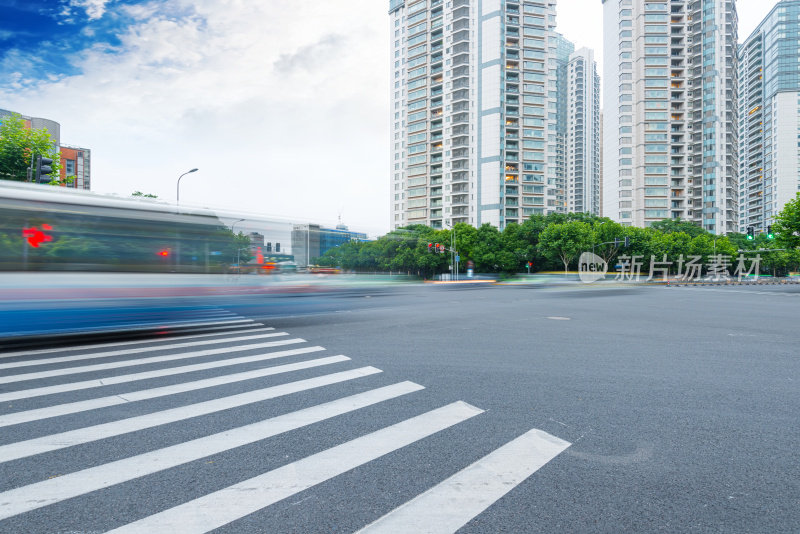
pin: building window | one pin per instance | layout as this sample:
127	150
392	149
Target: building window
69	165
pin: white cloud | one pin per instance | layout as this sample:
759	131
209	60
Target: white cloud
282	105
94	8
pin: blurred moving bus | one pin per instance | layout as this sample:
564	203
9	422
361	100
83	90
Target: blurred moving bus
73	261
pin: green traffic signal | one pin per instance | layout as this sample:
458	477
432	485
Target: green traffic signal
770	234
751	233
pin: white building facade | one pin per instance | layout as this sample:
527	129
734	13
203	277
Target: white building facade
769	117
583	133
474	112
670	115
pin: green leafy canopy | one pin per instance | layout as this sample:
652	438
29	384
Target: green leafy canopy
18	144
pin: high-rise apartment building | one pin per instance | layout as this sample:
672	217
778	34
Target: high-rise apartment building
475	121
670	92
558	88
583	133
769	117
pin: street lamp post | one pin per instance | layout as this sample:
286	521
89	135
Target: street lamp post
238	267
178	195
178	201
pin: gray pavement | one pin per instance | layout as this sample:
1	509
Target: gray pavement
680	406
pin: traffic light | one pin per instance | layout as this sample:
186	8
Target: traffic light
751	233
770	235
163	253
43	170
35	236
430	247
438	248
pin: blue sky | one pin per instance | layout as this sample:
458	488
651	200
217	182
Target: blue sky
283	105
277	102
41	38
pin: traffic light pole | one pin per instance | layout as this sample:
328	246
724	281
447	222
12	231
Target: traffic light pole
30	169
626	242
454	256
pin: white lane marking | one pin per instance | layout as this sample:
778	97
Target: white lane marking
138	350
47	492
224	506
151	359
120	379
556	318
214	331
450	505
144	394
53	442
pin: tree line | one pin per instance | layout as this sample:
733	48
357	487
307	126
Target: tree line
554	242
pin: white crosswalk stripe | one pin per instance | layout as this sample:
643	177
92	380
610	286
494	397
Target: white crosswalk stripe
133	396
138	350
153	359
51	491
452	504
227	505
214	331
23	449
444	508
121	379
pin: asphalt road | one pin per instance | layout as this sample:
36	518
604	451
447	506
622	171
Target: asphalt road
509	409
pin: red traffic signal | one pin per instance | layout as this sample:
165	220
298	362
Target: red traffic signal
163	253
430	247
36	237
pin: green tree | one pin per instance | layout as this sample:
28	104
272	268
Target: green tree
606	231
143	195
19	144
566	240
787	225
669	226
